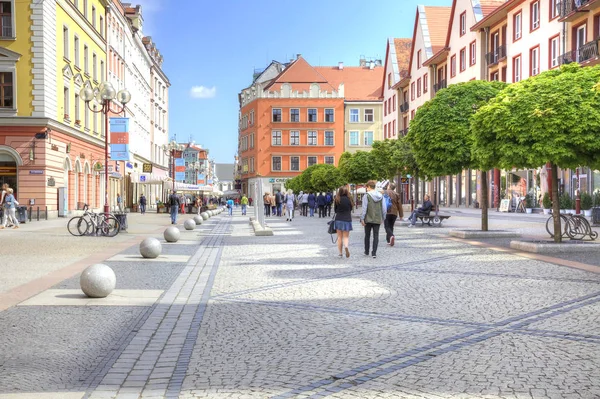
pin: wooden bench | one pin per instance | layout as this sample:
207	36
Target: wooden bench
432	220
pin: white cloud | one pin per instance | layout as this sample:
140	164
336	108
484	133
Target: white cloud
203	92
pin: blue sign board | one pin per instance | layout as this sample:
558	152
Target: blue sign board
119	139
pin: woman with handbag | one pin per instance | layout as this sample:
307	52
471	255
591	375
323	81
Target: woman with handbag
343	219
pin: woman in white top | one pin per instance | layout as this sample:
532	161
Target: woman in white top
289	205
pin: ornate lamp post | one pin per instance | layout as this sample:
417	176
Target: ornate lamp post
172	147
105	94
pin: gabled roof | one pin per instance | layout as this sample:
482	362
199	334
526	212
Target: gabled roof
434	22
300	74
398	50
481	8
495	15
360	83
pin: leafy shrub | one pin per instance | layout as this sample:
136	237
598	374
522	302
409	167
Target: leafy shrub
586	201
565	201
529	201
546	201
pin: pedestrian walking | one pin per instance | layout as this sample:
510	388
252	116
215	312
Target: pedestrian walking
174	203
273	205
142	204
267	203
3	206
393	206
230	205
278	202
119	202
343	219
312	203
244	203
250	201
372	215
290	200
328	203
11	206
304	205
321	202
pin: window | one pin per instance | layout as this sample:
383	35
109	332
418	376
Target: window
425	83
385	131
463	59
76	51
554	8
101	23
354	115
77	118
329	115
389	80
580	38
294	138
94	17
463	23
329	160
85	8
394	100
6	90
252	140
295	163
419	59
385	108
6	19
94	67
66	102
368	138
101	71
495	76
276	114
516	69
276	163
369	115
328	137
419	87
66	42
312	138
453	66
534	15
394	127
517	26
85	60
252	164
354	137
294	115
472	53
312	161
276	137
534	61
412	91
554	52
312	114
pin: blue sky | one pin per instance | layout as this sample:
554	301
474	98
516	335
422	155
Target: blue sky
212	47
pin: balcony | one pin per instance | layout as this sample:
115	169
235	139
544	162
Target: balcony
568	9
584	54
403	132
404	107
496	55
439	86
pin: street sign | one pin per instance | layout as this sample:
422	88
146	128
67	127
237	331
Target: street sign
147	168
142	178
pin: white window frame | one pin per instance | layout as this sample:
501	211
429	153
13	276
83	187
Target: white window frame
291	118
273	164
332	115
372	115
366	134
354	134
94	67
251	140
77	103
66	42
473	53
554	8
294	137
308	159
291	162
354	113
332	137
534	56
86	61
93	16
554	51
517	71
308	115
85	8
518	27
308	137
76	50
101	25
463	24
273	115
67	102
13	29
328	157
579	43
535	15
275	137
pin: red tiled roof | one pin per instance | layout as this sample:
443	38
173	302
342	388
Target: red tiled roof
403	48
488	6
360	83
438	19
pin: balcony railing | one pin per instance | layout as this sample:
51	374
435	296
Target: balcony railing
584	53
496	55
403	132
404	107
566	7
439	86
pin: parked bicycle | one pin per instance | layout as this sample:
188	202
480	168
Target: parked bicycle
576	227
92	223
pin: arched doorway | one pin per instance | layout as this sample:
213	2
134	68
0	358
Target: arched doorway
9	160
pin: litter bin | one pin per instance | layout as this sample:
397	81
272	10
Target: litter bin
122	218
21	213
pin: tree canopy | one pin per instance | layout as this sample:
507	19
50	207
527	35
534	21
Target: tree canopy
357	168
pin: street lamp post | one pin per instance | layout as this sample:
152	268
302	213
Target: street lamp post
172	147
104	95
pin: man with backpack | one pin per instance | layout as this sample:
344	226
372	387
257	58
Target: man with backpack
328	203
393	207
174	203
372	215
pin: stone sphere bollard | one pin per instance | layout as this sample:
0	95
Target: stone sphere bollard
189	224
204	215
98	281
150	248
211	213
171	234
198	219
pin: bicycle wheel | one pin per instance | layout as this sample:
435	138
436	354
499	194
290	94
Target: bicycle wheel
77	226
109	227
550	225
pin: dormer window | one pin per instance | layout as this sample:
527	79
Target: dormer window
463	23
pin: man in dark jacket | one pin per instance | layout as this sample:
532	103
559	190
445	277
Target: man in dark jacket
278	202
174	202
372	215
321	201
423	210
393	212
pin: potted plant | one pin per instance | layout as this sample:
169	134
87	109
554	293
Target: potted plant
78	122
66	116
564	202
586	204
161	207
546	203
528	203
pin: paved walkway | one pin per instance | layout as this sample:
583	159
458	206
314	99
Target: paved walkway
225	314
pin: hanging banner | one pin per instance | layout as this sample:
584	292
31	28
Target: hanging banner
200	178
119	139
209	182
179	169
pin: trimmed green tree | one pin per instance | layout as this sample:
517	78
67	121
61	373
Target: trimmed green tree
553	117
357	168
440	135
326	178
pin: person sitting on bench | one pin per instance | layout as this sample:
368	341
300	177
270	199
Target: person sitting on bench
424	210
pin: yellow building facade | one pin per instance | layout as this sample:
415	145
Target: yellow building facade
363	123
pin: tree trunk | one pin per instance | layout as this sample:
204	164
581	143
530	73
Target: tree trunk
555	205
484	201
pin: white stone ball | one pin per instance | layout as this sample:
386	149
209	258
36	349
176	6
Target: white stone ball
189	224
198	219
98	281
204	215
211	213
150	248
172	234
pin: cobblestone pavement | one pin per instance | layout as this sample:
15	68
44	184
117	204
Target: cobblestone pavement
285	317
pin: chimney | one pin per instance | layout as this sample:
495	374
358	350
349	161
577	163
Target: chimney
298	56
340	65
371	65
